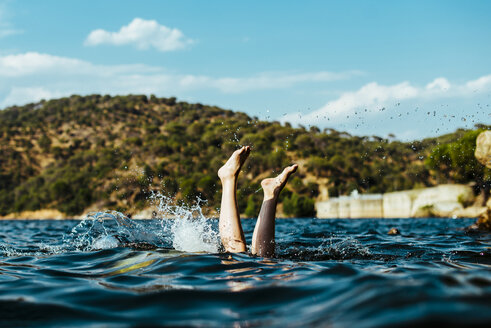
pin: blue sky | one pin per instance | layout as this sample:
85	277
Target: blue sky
411	68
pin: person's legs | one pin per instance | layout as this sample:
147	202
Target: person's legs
263	242
229	225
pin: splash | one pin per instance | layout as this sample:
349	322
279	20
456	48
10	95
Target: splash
110	229
181	227
345	249
189	229
330	249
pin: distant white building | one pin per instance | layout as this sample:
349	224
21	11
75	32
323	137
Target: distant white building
441	200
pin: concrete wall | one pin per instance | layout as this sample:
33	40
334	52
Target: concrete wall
328	209
367	207
344	207
442	200
398	204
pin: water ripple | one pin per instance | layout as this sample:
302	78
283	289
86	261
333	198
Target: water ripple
341	273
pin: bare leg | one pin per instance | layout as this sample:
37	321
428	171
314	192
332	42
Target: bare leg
229	225
263	242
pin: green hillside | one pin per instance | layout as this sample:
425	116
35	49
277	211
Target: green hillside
112	152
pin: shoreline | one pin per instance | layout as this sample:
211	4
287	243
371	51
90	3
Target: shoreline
446	200
442	201
81	218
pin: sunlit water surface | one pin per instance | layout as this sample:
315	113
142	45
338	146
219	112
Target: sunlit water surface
115	272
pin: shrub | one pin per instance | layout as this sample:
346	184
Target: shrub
299	206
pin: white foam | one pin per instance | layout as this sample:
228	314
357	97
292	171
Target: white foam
190	230
105	242
194	235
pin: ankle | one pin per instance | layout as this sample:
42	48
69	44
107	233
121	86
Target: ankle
229	181
225	175
270	195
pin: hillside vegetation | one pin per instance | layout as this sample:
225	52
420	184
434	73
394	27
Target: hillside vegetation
96	152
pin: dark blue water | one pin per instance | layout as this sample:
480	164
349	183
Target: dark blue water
341	273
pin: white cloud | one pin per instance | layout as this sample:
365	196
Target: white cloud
143	34
7	31
482	83
34	63
32	76
6	28
31	63
19	94
374	97
29	77
270	80
438	84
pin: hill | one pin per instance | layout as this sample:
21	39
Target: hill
94	152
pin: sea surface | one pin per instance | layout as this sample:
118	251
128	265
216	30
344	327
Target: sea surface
111	271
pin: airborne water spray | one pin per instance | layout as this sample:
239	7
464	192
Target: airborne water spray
189	229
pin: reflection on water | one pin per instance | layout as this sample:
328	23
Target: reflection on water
343	273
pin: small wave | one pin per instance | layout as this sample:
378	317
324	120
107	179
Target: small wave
179	227
110	229
346	249
189	230
183	228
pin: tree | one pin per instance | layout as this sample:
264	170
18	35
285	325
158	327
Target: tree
252	209
455	161
318	165
44	143
299	206
207	186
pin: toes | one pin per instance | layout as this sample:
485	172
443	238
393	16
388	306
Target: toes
246	150
283	177
242	150
239	151
293	168
290	169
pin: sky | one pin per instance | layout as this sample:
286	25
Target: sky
413	69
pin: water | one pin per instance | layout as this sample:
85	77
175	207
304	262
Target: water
343	273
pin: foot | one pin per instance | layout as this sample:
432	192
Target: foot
231	169
273	186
